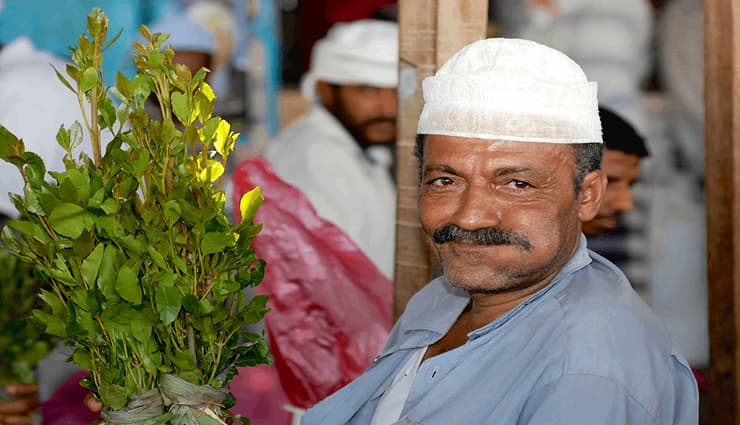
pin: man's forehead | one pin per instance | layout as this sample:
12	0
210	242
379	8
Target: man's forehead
442	143
495	154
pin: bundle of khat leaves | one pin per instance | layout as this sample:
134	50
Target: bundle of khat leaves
146	274
22	345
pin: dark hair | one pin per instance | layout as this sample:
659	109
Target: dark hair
588	158
619	135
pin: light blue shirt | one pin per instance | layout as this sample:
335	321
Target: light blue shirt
585	350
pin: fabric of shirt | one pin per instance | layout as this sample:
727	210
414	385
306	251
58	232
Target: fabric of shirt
391	404
345	184
585	350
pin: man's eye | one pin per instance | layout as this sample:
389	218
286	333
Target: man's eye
440	181
519	184
369	90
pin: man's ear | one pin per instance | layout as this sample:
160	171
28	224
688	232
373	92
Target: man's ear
326	94
591	194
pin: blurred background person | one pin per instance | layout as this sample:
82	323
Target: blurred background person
53	26
624	150
610	40
339	153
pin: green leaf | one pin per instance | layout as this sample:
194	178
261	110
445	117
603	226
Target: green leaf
10	145
222	136
63	138
169	302
53	301
172	212
250	202
35	169
82	358
107	112
212	171
89	79
75	135
112	395
110	206
157	257
108	270
141	330
53	325
31	230
70	220
91	264
209	130
63	79
114	39
191	303
183	360
214	242
128	286
256	309
180	107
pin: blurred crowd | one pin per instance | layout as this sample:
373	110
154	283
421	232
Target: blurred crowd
312	86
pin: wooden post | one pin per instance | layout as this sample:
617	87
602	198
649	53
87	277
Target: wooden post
430	32
722	97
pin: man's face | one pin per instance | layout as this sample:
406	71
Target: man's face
622	170
368	113
503	216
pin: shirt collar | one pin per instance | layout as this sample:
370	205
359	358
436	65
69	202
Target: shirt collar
446	308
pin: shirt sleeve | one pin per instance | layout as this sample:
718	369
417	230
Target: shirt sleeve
581	399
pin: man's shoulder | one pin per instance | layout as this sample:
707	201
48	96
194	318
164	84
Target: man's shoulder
608	331
317	130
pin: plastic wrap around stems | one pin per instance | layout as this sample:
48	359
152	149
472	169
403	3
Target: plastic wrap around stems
175	396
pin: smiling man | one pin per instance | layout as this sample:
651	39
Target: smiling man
526	326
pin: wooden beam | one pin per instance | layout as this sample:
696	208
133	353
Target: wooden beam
430	32
722	97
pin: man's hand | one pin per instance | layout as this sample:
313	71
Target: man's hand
92	403
18	411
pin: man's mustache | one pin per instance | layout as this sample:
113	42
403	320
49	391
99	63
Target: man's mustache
379	120
483	236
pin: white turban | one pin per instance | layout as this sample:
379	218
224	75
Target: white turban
513	90
360	52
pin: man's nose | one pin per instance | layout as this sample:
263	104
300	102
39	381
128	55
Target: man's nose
623	200
478	207
388	102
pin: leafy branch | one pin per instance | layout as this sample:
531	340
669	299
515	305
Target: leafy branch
147	275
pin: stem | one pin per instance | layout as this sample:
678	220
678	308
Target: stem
191	341
95	131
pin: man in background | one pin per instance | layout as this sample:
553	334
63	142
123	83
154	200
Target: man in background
624	150
339	154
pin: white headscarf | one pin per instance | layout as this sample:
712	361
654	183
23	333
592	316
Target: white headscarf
514	90
359	52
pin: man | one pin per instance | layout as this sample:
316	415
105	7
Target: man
338	155
526	325
625	149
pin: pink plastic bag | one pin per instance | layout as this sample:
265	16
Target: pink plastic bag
331	306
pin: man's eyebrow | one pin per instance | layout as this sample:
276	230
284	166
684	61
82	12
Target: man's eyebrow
441	168
512	170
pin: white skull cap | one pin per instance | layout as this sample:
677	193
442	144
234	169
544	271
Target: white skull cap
512	90
360	52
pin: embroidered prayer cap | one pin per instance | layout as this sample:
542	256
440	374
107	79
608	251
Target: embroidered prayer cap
512	90
360	52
